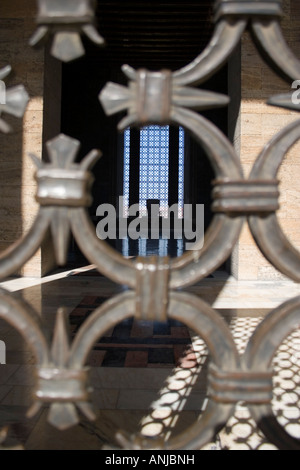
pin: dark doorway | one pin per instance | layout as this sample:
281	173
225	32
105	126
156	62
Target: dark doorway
147	34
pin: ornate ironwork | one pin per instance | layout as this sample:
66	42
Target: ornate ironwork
16	100
65	21
64	193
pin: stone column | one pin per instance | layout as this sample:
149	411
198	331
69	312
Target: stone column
255	124
17	184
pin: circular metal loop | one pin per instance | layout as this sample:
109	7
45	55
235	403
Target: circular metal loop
224	230
276	50
21	251
220	237
205	322
224	41
258	357
27	323
231	21
265	229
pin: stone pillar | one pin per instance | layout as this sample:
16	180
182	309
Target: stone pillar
256	123
17	184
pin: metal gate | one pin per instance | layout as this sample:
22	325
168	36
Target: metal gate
63	194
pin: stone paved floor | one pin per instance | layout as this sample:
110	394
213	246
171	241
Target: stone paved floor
163	400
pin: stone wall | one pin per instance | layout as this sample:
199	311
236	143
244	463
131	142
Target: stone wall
17	184
256	124
18	206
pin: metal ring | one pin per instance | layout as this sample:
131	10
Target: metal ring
277	52
21	251
26	322
200	317
258	357
265	229
221	236
224	230
226	37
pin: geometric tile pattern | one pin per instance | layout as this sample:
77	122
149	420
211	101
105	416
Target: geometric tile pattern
175	347
241	432
132	343
286	384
